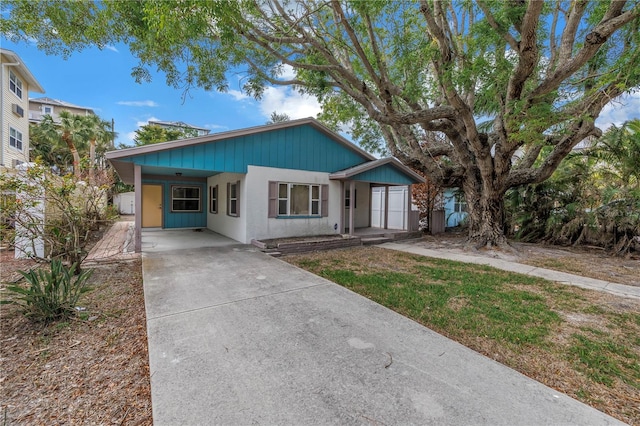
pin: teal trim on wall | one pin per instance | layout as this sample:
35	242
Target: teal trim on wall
452	217
181	220
300	148
386	174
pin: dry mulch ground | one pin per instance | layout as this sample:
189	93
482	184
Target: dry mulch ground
92	369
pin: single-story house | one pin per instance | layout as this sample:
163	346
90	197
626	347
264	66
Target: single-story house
288	179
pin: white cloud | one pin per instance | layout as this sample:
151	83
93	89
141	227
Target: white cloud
625	108
285	100
129	137
112	48
146	103
288	72
237	95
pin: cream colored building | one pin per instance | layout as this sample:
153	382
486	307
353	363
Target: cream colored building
39	107
17	81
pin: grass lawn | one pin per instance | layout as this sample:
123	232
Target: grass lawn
583	343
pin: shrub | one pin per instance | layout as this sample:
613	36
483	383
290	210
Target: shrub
56	213
51	295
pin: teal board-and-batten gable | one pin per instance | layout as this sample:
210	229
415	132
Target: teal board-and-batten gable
383	171
385	174
301	148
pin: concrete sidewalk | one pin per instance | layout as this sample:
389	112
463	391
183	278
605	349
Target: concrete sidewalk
237	337
418	247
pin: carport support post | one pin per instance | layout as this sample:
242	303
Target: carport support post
408	215
137	183
386	207
352	200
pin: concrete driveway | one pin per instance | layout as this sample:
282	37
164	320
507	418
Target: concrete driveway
239	338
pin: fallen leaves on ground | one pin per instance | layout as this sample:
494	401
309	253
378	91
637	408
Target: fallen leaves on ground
91	369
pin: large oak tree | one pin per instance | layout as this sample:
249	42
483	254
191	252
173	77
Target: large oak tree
484	95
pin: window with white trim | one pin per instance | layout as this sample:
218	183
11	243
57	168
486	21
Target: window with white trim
15	138
233	198
185	199
47	110
460	203
213	199
295	199
15	84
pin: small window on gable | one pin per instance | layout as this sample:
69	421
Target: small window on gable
47	110
233	199
15	138
185	199
213	199
15	84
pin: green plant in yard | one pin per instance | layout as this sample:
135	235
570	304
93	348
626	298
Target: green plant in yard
578	341
604	359
58	211
51	295
454	297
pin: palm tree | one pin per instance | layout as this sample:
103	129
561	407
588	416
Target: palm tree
96	131
619	148
46	145
70	128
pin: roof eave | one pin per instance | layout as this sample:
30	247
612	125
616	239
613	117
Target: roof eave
348	173
147	149
34	86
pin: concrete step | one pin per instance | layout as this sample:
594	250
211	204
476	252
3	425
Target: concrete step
374	240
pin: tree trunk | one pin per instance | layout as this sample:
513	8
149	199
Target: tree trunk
74	153
92	159
486	219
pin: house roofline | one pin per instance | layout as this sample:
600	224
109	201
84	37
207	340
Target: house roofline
34	86
361	168
181	124
215	137
57	102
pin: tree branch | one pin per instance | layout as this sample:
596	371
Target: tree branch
527	51
513	43
596	38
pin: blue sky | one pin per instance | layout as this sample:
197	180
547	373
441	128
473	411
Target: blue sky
101	80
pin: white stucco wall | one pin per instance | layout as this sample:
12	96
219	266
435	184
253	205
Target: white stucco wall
230	226
256	191
361	213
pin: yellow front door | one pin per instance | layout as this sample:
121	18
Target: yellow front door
151	206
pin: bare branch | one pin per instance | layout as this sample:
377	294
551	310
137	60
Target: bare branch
596	38
571	28
527	51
